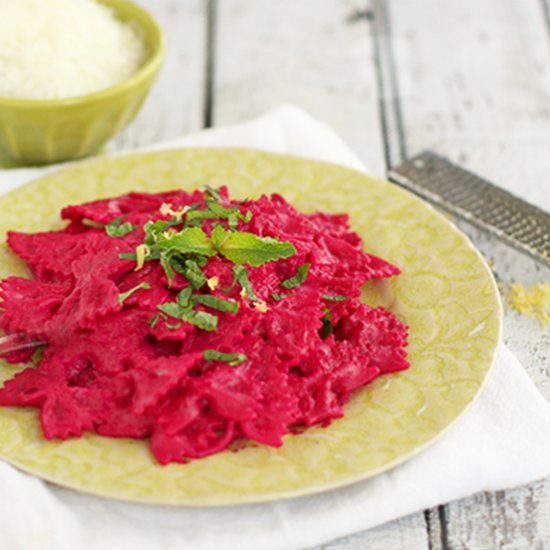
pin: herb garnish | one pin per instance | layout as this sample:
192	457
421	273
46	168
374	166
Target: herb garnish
232	359
182	246
115	228
241	276
278	297
328	327
123	295
200	319
335	298
247	248
298	279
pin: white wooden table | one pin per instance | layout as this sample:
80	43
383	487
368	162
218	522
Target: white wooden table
468	78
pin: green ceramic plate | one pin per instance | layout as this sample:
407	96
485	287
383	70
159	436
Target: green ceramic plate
446	295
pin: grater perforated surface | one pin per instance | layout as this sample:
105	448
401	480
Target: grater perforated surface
475	199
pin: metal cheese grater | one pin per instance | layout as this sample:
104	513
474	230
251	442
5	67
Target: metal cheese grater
460	192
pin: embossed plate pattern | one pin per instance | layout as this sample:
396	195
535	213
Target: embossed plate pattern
446	295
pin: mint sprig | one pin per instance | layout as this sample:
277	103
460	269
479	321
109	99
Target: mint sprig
247	248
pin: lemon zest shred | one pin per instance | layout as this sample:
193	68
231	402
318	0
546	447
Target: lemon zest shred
142	251
166	209
213	282
533	301
260	306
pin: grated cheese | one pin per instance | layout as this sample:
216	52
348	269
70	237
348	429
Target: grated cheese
51	49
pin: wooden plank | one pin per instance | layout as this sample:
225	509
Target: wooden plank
175	105
474	80
476	88
408	533
317	55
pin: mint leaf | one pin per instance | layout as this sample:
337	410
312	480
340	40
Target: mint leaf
246	248
197	216
278	297
336	298
127	256
172	309
184	297
298	279
212	193
191	240
241	276
233	359
200	319
214	302
115	228
191	271
154	320
123	295
328	327
153	229
166	263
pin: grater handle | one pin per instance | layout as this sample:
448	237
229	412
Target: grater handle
480	202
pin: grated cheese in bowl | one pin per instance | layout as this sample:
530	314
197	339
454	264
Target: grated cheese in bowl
56	49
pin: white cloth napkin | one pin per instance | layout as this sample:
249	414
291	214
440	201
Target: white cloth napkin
500	442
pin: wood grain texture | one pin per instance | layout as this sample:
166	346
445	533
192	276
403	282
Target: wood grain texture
176	103
408	533
318	55
474	81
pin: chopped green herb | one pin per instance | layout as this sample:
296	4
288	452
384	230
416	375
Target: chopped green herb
128	256
247	248
247	216
154	320
166	263
222	212
173	326
191	240
336	298
213	193
241	276
278	297
214	302
200	319
298	279
196	217
115	228
122	296
191	271
233	359
173	309
328	327
184	297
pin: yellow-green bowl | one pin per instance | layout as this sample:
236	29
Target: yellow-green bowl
36	132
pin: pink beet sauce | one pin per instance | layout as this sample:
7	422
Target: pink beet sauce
280	357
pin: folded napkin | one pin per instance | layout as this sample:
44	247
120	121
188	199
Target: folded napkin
499	442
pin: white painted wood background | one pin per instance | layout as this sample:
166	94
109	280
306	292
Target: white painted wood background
468	78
